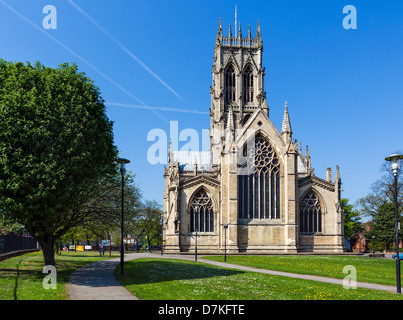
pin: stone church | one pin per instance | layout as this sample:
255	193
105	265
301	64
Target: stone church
254	191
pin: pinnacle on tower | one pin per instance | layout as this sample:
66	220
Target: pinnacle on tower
308	164
307	152
219	31
286	128
170	151
337	178
258	34
219	34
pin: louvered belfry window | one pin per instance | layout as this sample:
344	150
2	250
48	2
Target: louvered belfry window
259	187
248	85
230	84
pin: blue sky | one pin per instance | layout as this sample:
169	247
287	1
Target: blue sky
343	87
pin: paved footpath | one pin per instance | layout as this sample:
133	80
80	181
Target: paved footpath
97	281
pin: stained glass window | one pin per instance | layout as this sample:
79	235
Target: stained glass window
201	213
259	189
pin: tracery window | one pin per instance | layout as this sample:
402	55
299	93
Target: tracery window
248	85
310	214
202	213
259	186
230	84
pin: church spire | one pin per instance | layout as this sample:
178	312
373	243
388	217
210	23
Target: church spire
286	131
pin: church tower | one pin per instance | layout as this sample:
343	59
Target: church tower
237	90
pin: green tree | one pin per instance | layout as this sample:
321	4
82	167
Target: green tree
147	224
383	224
152	222
378	207
352	219
105	208
56	144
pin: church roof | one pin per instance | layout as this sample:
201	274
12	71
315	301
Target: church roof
301	165
187	160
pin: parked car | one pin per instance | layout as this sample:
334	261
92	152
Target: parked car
400	256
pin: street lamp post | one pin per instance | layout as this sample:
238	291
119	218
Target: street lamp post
122	163
395	168
225	242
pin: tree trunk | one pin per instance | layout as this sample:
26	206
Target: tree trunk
48	251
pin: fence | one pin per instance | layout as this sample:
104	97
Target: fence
12	242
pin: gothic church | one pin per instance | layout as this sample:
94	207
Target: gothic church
254	191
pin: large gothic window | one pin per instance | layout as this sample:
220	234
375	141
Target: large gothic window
259	183
248	85
310	215
230	84
201	213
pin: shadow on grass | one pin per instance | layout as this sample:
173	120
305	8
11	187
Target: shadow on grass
159	270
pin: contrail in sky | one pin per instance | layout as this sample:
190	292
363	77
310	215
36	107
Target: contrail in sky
141	63
79	57
116	104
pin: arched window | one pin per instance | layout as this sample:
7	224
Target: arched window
201	213
310	214
259	184
248	85
230	84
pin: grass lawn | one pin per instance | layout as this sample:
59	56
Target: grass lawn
372	270
170	279
21	277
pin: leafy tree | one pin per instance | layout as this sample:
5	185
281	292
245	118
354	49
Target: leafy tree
378	206
381	190
14	228
383	224
352	219
56	145
102	213
152	221
147	224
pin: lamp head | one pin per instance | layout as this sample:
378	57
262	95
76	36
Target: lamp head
122	162
394	160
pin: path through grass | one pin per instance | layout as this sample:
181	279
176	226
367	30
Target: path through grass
371	270
21	277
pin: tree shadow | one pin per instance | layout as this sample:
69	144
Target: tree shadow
142	271
96	274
